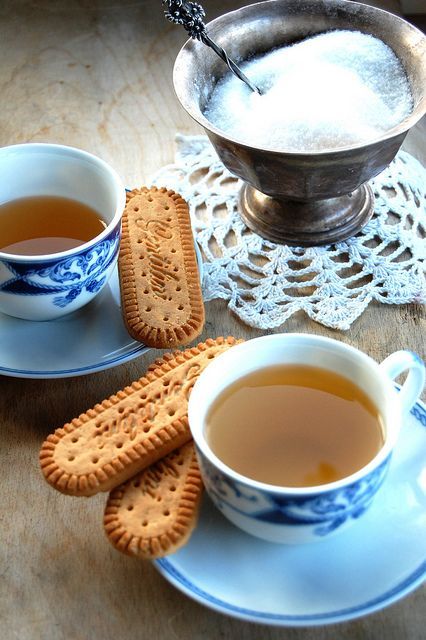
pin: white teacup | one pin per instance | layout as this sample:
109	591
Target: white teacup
45	287
292	514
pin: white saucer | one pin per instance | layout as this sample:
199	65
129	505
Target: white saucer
377	561
89	340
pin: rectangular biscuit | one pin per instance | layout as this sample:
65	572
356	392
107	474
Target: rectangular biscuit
132	429
161	296
154	513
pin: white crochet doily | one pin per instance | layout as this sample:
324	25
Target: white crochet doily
265	283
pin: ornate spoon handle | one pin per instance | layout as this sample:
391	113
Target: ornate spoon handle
190	15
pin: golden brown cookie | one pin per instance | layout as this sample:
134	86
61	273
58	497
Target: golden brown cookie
132	429
154	513
161	296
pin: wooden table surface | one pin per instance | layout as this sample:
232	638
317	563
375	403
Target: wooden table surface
97	75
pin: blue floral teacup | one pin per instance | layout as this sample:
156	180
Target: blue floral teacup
305	514
45	287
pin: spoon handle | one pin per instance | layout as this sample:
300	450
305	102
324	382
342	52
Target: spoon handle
190	15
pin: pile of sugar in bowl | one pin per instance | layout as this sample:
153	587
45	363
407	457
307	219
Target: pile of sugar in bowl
333	90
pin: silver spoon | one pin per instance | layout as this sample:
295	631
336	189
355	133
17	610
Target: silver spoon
190	15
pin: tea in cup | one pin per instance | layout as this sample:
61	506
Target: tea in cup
60	227
294	432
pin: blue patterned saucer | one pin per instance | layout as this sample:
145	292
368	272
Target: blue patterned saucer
89	340
371	565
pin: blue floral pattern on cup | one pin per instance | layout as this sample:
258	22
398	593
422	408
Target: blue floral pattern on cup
85	271
322	513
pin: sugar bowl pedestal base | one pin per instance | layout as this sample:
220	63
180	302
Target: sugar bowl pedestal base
306	223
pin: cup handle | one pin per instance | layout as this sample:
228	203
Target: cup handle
397	363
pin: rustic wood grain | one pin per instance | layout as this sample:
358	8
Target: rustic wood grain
97	74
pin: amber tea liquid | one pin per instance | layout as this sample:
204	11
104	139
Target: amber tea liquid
40	225
294	426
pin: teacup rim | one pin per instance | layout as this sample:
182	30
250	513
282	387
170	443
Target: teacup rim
82	248
310	491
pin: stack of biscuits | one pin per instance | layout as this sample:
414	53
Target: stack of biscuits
137	444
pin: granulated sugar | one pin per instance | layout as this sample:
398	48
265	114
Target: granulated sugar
333	90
